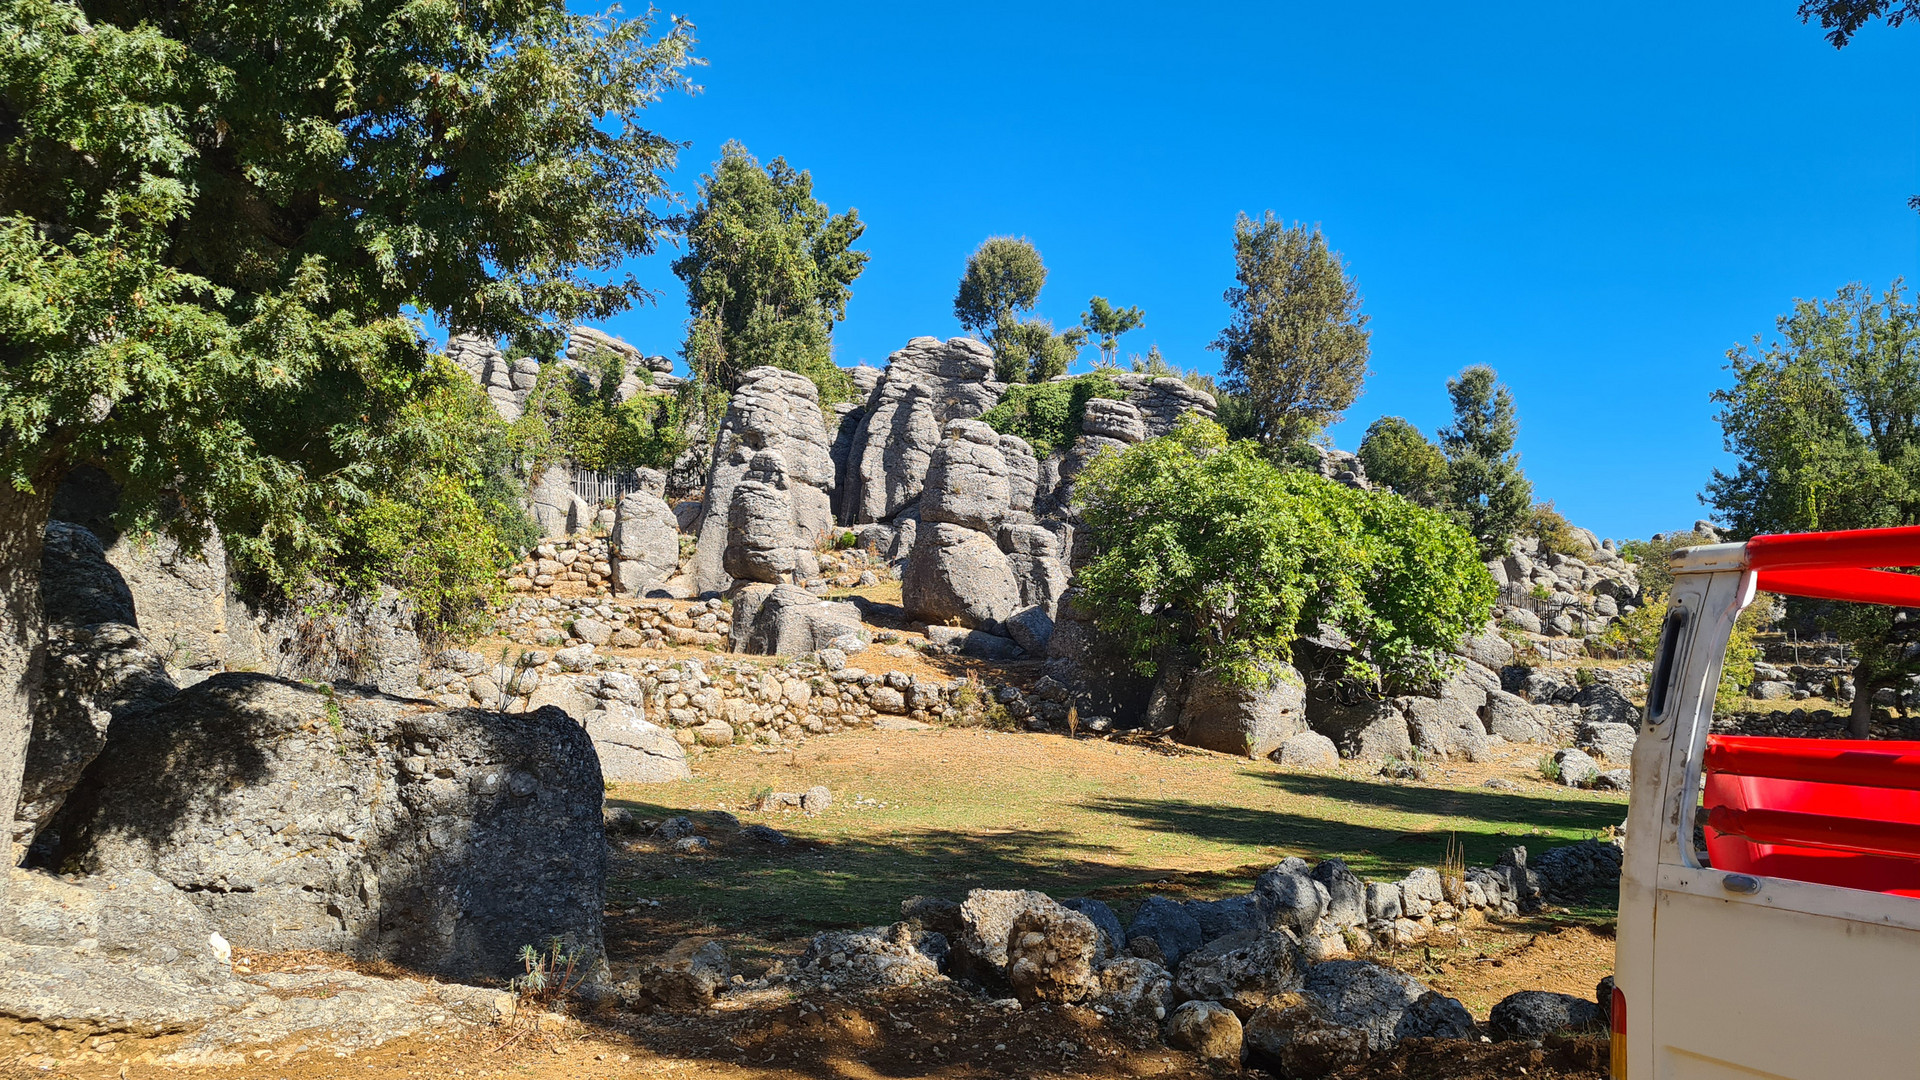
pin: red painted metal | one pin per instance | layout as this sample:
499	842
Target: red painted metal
1856	548
1818	761
1845	583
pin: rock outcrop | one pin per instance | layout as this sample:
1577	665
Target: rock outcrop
507	383
302	818
773	411
926	384
789	621
1225	715
645	544
956	574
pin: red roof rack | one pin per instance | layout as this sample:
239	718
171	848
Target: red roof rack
1838	565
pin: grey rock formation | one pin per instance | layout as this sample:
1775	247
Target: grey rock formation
966	479
1368	730
1576	768
1535	1014
881	957
1039	564
1229	915
1164	400
1614	742
1294	1037
771	410
554	506
986	920
1031	629
1114	937
926	384
1242	971
1346	894
298	818
1222	715
645	541
957	576
637	370
687	976
1289	898
1364	995
762	543
1109	419
786	620
1447	727
632	750
1307	750
481	359
1172	929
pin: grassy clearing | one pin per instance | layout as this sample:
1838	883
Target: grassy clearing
962	809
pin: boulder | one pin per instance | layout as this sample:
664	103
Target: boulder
1038	564
690	975
633	751
1603	703
1242	971
880	957
1052	955
1346	894
1515	720
1031	629
1294	1037
986	921
1023	473
762	543
1113	936
1289	898
1447	727
1220	714
1535	1014
1364	995
1486	648
1434	1015
771	411
1383	901
958	577
1307	750
1230	915
1571	871
645	543
1210	1030
959	639
966	481
1614	742
1419	891
550	500
1110	419
303	818
1172	929
1132	986
786	620
926	384
1368	730
1576	768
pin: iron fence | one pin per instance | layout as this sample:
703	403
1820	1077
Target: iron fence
602	488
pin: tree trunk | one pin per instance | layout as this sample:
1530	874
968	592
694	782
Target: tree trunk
23	525
1863	690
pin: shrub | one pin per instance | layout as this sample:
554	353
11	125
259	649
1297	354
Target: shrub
1549	768
1048	414
1552	529
574	413
1206	547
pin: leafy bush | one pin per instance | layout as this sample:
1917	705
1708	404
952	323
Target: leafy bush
575	414
1548	768
1552	529
1396	454
1048	414
1206	547
1650	556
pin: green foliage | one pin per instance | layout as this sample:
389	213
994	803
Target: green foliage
1841	19
1490	495
1553	530
1297	347
1207	548
1825	424
575	414
1548	768
768	272
1048	415
1395	454
1003	277
1107	323
1636	634
1029	351
1650	558
214	219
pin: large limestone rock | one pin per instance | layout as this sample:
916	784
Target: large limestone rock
1036	556
1242	971
1368	730
1053	955
646	543
957	576
986	921
299	818
772	410
762	543
966	482
1163	401
638	371
1386	1004
927	383
554	506
1223	715
506	385
786	620
98	665
633	750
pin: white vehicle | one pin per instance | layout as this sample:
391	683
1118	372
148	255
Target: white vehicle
1790	947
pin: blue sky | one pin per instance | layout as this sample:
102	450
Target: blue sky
1596	200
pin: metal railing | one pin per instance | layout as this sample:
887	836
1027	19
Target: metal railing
600	488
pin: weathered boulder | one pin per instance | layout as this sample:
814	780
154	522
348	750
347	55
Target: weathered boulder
632	750
1447	727
300	818
1023	473
959	639
762	543
1295	1037
1307	750
1031	629
966	481
1242	971
776	411
1038	564
482	359
1515	719
786	620
1368	730
957	576
1289	898
879	956
1419	891
1208	1029
690	975
1114	938
1110	419
1131	985
1614	742
1346	893
645	543
1576	768
986	920
1368	996
1053	954
1172	929
1535	1014
1220	714
551	502
926	384
1164	400
1229	915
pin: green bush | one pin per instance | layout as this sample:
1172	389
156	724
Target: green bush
575	414
1553	530
1208	548
1048	414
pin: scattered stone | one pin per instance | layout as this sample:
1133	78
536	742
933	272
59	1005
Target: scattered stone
1242	971
1576	768
1208	1029
690	976
1535	1014
1296	1038
816	799
1052	954
1307	750
879	957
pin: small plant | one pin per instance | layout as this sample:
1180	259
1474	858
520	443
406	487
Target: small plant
846	541
1541	592
551	975
1585	676
1549	768
1453	869
1073	721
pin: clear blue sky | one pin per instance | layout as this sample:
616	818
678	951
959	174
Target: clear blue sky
1596	200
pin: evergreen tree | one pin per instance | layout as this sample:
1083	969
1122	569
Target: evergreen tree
1396	455
1489	494
1028	350
215	219
1106	322
769	270
1297	347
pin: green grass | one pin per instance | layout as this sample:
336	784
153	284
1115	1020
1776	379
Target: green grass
967	809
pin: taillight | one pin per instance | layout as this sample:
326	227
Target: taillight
1617	1045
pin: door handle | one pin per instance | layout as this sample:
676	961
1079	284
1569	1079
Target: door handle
1743	884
